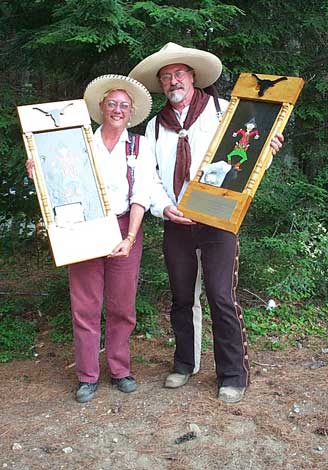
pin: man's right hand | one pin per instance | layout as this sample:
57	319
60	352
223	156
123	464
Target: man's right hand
176	216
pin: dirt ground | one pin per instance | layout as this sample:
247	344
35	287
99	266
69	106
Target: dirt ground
281	424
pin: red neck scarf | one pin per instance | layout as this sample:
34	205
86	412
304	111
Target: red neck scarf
167	118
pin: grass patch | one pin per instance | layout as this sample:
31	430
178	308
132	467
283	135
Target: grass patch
285	325
17	337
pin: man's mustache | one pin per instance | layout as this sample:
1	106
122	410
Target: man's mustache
176	87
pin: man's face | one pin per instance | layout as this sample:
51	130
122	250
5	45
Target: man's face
177	82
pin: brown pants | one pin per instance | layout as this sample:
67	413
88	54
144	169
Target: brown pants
219	258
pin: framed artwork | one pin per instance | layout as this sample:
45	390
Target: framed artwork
239	153
72	196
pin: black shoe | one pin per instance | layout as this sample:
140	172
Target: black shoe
125	384
85	392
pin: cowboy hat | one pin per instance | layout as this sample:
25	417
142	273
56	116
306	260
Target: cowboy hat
207	66
94	94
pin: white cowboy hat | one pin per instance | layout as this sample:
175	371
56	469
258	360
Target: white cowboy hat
207	66
94	93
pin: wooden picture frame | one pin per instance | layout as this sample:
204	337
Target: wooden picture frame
73	200
240	152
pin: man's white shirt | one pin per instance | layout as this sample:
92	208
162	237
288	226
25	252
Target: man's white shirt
164	151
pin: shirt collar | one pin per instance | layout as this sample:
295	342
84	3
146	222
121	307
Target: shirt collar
124	137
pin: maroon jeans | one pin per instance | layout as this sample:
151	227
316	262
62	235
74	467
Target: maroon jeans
112	281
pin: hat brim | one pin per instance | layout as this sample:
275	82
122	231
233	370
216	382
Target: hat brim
94	93
207	66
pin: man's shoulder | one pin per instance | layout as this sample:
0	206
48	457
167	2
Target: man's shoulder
150	128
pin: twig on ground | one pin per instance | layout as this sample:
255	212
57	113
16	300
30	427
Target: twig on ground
255	295
27	294
266	365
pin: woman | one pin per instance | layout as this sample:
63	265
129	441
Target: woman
116	102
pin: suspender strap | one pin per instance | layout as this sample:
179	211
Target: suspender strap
156	127
212	91
131	152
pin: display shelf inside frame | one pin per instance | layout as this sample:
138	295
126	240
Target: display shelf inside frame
73	200
240	152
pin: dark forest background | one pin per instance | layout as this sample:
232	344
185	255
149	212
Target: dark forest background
50	50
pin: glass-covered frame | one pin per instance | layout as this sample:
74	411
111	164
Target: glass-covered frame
73	200
239	153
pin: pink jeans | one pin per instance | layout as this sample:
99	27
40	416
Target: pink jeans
113	281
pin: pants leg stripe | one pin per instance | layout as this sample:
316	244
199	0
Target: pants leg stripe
239	314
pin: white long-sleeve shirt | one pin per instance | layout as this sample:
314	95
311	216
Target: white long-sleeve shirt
164	151
113	168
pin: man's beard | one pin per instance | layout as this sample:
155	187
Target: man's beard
177	95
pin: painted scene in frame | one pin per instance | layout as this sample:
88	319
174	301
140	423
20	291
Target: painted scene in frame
237	154
69	176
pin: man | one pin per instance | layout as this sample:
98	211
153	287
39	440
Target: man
180	135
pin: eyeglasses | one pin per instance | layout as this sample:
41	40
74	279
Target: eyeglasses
179	75
123	105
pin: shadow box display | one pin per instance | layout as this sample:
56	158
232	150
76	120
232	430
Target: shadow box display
239	153
72	197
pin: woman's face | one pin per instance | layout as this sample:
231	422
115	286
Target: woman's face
116	109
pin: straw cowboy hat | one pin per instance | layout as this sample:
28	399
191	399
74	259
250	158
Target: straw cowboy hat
207	66
94	94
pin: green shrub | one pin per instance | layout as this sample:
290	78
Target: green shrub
285	324
17	337
284	242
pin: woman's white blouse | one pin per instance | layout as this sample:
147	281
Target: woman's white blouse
113	168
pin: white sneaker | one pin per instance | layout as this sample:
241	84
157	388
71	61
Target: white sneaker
176	380
231	394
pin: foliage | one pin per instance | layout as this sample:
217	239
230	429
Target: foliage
17	334
16	338
153	281
284	239
285	325
52	49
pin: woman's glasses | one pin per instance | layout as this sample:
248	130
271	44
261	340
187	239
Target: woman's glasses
122	105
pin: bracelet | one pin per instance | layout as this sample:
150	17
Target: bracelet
131	237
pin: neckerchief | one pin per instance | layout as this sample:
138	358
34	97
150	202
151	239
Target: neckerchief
168	119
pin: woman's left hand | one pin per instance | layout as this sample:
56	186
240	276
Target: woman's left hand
122	249
276	143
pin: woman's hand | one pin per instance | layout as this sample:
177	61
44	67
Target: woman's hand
124	247
29	165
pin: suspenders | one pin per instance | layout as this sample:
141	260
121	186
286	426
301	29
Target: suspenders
131	152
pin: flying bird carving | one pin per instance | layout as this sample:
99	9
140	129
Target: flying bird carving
264	84
55	114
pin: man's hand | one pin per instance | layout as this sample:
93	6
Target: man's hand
176	216
276	143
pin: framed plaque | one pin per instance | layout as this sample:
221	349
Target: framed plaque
239	153
72	197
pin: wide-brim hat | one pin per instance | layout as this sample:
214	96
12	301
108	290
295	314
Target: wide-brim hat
95	91
207	66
